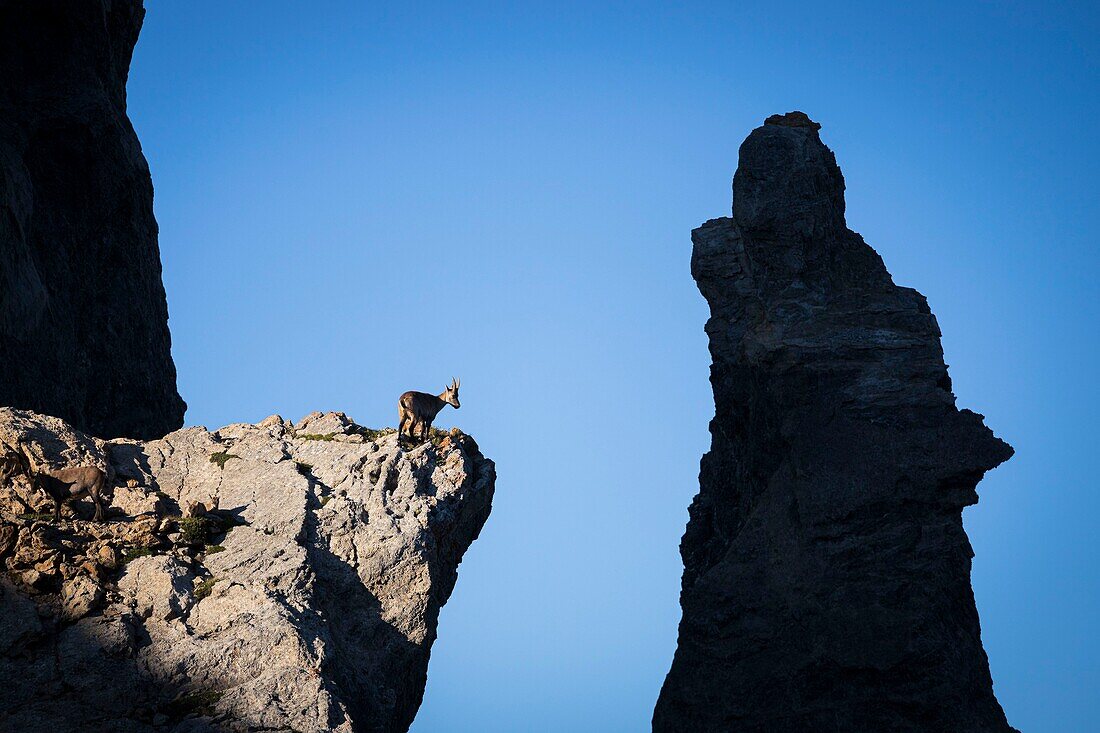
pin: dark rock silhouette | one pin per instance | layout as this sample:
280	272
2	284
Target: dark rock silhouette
83	318
826	580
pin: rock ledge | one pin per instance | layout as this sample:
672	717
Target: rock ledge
276	576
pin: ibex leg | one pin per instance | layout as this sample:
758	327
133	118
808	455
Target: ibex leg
97	496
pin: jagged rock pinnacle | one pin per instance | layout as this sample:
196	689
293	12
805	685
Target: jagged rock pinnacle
792	119
826	579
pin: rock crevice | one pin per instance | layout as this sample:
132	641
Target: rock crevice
826	575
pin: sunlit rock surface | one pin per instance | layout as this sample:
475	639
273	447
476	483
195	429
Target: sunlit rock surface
301	595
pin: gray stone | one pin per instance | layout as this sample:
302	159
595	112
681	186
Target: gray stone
324	423
80	596
826	579
317	613
157	588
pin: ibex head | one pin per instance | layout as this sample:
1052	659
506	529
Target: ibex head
450	395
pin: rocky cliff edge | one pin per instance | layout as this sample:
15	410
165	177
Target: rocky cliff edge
276	577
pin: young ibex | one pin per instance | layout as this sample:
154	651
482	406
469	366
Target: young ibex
61	484
417	410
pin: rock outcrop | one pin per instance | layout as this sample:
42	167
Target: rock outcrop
272	577
826	580
83	317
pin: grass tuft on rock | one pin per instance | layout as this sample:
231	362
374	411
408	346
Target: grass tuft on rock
133	553
195	530
371	434
326	437
199	702
205	588
221	458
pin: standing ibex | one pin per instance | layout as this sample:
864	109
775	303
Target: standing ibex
417	410
61	484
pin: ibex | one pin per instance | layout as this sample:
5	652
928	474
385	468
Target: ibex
417	410
62	484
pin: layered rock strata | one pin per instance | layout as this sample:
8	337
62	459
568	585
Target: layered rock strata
826	581
83	317
276	577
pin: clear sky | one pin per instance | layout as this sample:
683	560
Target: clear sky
358	198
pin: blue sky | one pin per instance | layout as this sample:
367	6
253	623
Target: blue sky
356	199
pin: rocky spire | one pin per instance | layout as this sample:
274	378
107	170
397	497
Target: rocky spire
826	575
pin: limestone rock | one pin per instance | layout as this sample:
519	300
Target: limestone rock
83	316
826	579
81	595
324	423
158	588
311	605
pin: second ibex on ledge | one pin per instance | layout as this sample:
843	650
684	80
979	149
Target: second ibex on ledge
417	410
61	484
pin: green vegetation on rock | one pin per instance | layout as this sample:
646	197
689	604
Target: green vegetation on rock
133	553
205	588
199	702
196	530
221	458
326	437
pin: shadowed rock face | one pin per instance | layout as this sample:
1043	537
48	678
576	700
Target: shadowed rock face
826	580
83	318
303	597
